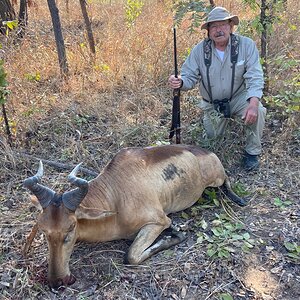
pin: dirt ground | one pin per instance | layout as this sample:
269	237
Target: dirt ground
266	271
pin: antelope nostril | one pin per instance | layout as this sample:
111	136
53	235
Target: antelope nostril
56	284
71	279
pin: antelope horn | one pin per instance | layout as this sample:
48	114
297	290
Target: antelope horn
72	199
43	193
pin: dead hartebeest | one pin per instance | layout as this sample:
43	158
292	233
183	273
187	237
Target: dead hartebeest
130	199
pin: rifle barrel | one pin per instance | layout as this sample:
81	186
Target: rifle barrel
175	52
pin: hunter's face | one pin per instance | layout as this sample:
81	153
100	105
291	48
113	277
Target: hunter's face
219	31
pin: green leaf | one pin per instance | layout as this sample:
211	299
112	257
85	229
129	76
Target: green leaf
223	253
211	252
237	237
216	222
229	226
229	249
246	236
204	224
225	296
216	231
216	202
185	215
278	202
208	238
248	245
200	239
289	246
293	27
11	24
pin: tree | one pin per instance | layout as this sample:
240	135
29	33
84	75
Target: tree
212	3
269	15
7	13
23	18
60	44
264	41
196	10
3	97
88	26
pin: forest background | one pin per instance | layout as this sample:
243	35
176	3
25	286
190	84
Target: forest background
118	97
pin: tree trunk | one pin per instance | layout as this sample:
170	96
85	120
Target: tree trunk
67	6
60	44
212	3
23	18
7	13
263	41
88	26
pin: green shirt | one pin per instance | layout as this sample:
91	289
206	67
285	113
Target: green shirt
248	79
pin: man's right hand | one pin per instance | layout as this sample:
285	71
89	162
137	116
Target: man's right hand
175	83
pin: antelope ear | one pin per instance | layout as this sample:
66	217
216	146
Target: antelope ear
36	202
93	213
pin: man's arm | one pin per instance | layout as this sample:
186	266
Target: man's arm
254	78
254	82
190	71
251	113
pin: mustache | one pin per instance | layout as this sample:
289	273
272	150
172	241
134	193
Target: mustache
220	33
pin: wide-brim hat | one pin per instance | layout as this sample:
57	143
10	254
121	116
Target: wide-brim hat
220	14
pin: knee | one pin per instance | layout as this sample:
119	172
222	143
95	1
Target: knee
262	111
130	258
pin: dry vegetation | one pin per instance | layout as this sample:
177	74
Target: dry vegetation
120	98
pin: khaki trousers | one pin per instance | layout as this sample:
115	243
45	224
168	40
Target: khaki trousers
215	124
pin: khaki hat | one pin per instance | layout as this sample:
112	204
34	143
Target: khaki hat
219	14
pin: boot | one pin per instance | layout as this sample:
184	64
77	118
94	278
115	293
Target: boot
250	162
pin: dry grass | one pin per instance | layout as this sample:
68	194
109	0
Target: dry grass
120	98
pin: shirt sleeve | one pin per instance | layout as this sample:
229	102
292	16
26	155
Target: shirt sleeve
254	74
190	72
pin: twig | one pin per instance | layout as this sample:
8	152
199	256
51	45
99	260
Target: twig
8	132
30	238
219	288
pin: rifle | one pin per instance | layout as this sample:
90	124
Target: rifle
175	128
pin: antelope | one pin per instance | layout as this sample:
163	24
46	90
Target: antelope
130	199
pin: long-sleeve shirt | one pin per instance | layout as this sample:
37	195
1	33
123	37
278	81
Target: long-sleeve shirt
248	79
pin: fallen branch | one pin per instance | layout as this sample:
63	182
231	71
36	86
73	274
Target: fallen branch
58	165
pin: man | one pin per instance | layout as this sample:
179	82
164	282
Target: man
230	80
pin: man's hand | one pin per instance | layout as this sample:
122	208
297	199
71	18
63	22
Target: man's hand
251	112
175	83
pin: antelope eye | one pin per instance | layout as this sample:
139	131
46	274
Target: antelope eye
69	234
67	238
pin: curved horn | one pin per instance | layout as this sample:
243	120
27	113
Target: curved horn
72	199
43	194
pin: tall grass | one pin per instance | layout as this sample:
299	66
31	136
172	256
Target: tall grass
129	72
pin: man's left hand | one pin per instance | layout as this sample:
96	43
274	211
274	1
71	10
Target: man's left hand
251	112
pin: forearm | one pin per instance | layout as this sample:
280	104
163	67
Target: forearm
254	78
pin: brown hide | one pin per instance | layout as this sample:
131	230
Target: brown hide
144	184
133	195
